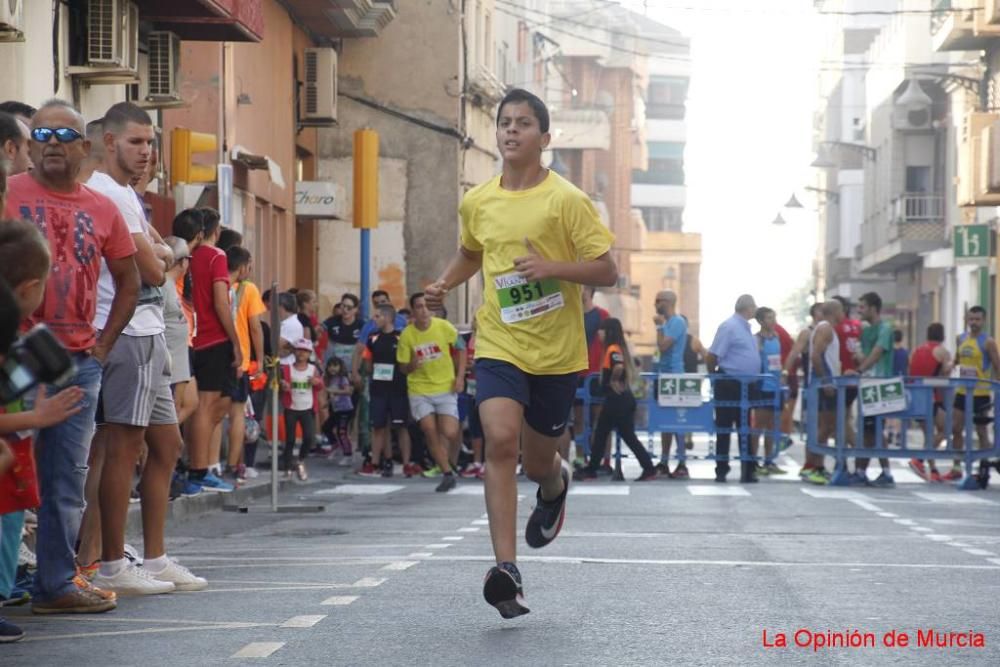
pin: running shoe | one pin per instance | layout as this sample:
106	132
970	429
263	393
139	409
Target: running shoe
547	518
936	476
17	597
584	474
387	466
917	466
412	470
605	471
761	471
133	496
680	472
815	476
133	580
473	471
181	577
447	484
132	554
884	481
775	469
432	472
954	474
9	632
804	471
579	462
211	482
858	478
26	557
249	472
502	589
301	471
647	475
369	470
663	468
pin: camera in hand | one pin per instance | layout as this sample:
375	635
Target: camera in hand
37	357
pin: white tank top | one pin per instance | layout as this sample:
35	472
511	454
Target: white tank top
831	356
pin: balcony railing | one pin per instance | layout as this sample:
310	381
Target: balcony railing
918	207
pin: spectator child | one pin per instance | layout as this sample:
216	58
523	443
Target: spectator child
298	380
339	389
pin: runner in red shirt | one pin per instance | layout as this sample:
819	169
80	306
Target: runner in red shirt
932	359
849	335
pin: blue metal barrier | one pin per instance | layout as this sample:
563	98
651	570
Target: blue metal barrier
698	417
917	405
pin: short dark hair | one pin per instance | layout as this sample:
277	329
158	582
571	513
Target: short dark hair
353	298
897	336
388	310
872	300
10	130
814	310
304	296
405	312
517	95
24	253
266	297
286	300
414	297
979	310
15	108
935	332
237	257
188	224
120	115
229	238
210	220
762	312
379	292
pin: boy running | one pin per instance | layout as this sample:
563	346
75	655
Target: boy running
536	238
389	407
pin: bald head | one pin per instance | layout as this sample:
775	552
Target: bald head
833	311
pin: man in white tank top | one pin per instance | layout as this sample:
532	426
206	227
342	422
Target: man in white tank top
824	365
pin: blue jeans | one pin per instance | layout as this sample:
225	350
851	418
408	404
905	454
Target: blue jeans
10	545
62	452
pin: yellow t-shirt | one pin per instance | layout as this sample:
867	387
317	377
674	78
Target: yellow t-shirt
538	326
436	374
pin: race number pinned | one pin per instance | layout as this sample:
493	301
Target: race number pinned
383	372
882	396
522	300
679	391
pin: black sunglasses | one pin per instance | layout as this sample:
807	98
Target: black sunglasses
64	135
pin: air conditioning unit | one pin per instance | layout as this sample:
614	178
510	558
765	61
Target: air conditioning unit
164	64
11	20
912	110
319	108
112	54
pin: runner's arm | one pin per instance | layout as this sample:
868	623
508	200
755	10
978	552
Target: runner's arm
601	272
125	276
257	341
991	349
460	364
711	362
465	264
943	357
871	359
822	340
152	268
797	349
663	341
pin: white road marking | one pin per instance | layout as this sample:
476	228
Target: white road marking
887	515
258	650
921	529
481	522
399	565
437	546
939	538
960	545
905	522
452	538
420	554
339	600
956	498
579	560
262	589
368	582
865	505
702	490
979	552
581	490
851	496
144	631
468	529
466	490
995	561
303	621
360	490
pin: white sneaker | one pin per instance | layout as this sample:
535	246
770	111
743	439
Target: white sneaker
26	556
133	581
132	554
251	473
181	577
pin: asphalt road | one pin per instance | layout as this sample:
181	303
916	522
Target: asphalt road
643	574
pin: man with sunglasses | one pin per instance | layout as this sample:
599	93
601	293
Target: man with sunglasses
81	227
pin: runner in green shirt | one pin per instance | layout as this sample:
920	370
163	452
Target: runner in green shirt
874	360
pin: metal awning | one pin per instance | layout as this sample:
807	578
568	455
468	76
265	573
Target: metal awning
241	155
332	19
207	20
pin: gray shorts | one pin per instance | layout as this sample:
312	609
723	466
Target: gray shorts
135	388
436	404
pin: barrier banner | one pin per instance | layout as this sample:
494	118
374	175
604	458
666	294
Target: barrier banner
882	396
679	391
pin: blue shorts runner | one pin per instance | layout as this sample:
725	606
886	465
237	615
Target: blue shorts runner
547	399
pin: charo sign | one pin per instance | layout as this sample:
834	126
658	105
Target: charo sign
318	199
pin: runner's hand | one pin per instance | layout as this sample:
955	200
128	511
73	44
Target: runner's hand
434	295
58	408
658	319
533	266
459	385
238	361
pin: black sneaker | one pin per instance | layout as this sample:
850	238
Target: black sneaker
502	589
584	474
447	484
546	520
647	475
387	468
11	633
